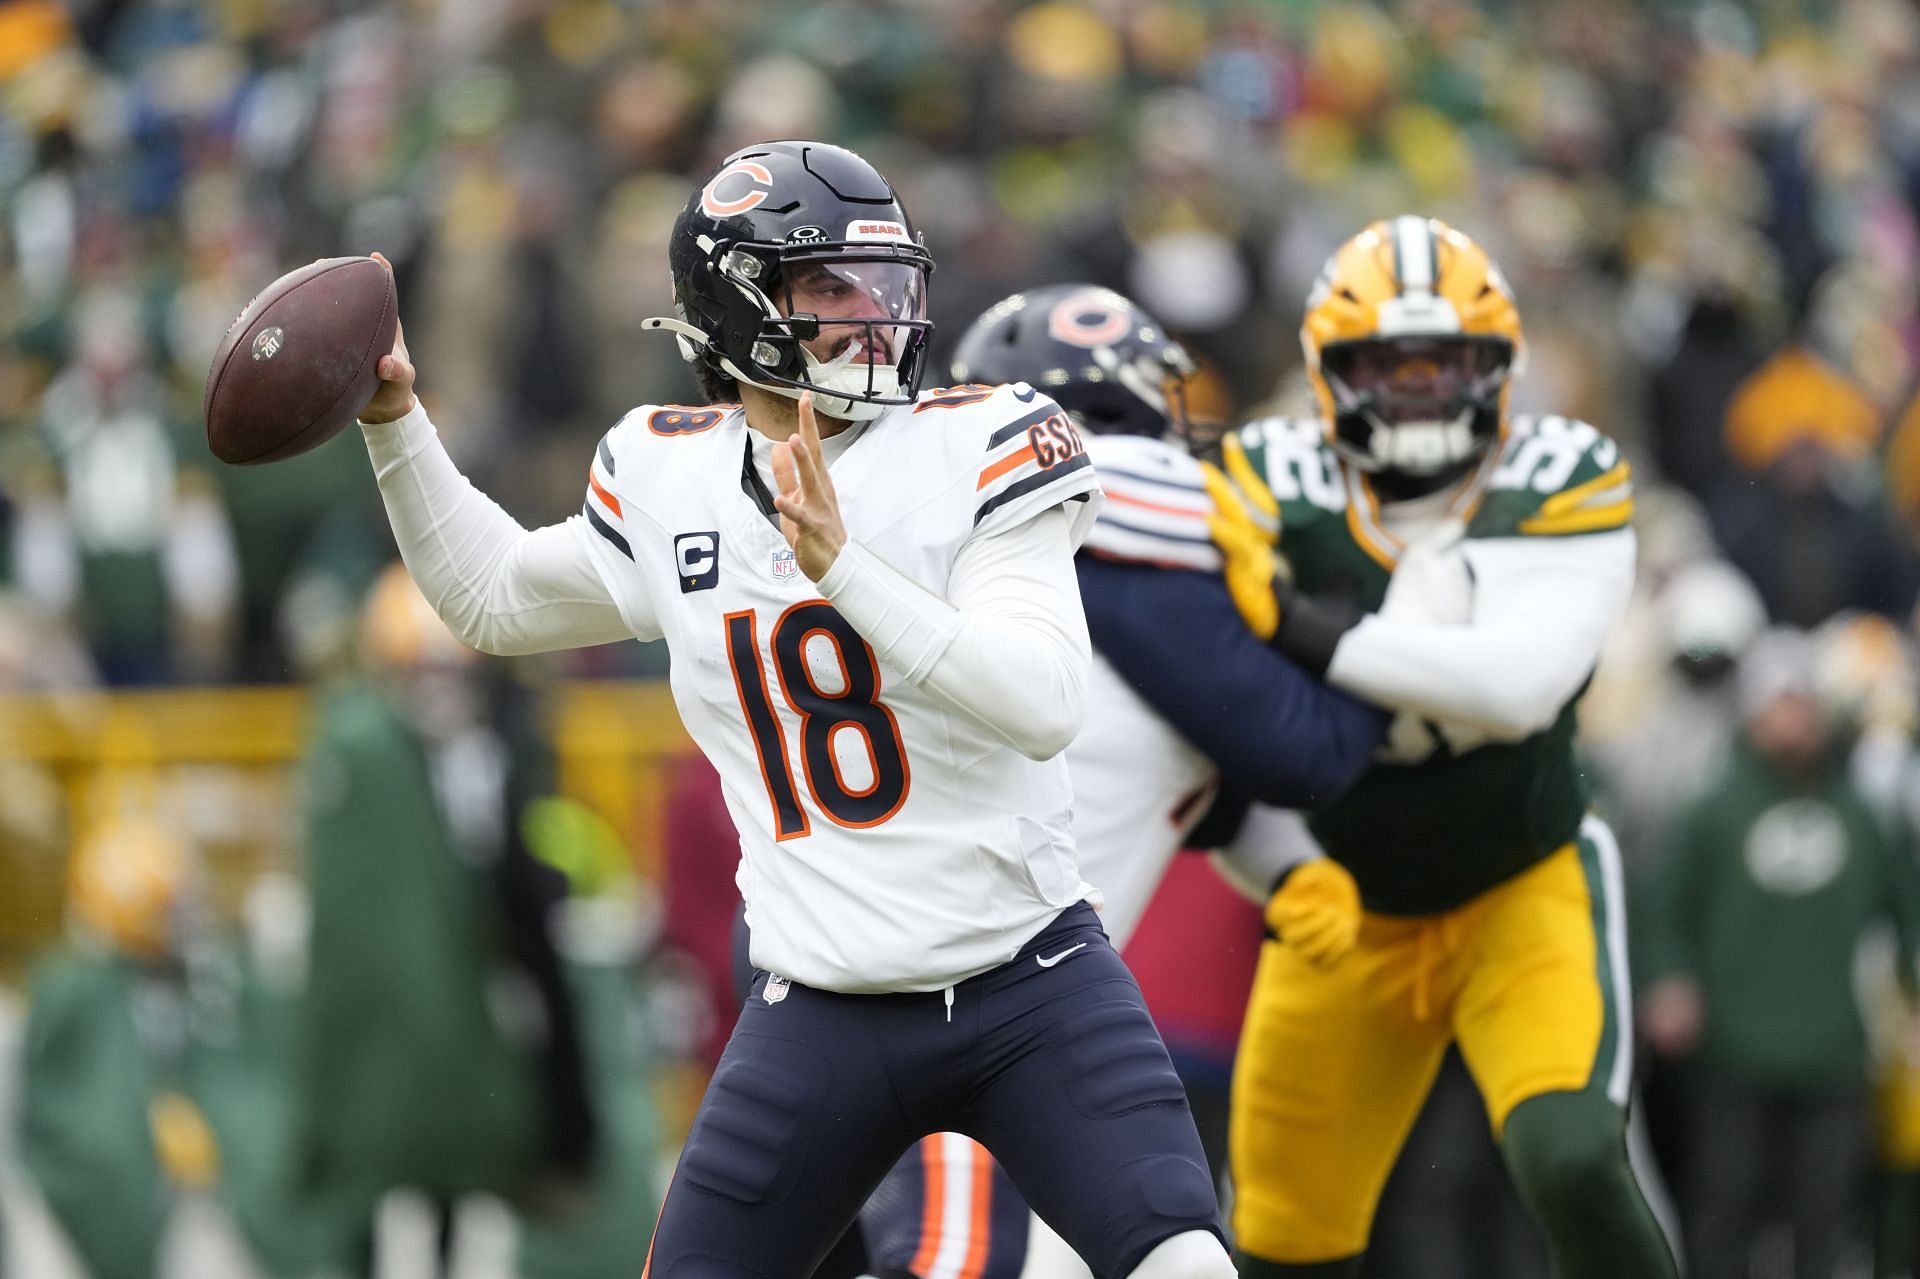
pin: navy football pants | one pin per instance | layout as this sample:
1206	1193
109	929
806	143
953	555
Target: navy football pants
1056	1069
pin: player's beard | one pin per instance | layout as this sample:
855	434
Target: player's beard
861	364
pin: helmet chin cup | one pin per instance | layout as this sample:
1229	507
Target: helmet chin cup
886	380
1423	448
1420	448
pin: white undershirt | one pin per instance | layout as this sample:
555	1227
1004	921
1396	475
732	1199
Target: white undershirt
1007	645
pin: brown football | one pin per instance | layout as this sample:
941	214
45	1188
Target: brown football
300	362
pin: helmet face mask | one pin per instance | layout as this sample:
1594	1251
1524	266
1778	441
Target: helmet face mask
1104	360
795	269
1416	405
1411	338
872	315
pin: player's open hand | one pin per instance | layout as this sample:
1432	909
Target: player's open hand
1672	1015
1250	561
394	398
1316	911
809	509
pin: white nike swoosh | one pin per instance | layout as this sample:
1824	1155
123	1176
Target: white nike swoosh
1045	962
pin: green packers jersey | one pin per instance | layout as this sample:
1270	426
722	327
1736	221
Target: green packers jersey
1444	813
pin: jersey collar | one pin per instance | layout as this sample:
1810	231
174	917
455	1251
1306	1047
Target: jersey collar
1363	508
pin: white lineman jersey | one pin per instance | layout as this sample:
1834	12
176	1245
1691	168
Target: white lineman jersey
1138	785
1138	788
888	844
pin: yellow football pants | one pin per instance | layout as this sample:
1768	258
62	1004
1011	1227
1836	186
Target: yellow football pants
1531	979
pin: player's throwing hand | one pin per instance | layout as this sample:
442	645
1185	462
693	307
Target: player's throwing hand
394	399
809	510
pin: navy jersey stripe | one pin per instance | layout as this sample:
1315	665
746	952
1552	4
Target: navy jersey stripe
606	455
1014	428
605	530
1110	522
1184	487
1028	485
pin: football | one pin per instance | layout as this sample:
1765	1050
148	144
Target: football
300	362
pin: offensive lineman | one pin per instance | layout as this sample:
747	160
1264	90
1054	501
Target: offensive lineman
885	693
1182	701
1493	907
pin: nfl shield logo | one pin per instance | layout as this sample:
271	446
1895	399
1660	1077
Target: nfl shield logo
776	989
784	565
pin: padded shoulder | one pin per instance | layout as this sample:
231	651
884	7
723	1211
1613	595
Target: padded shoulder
1556	477
1300	468
1018	447
1157	504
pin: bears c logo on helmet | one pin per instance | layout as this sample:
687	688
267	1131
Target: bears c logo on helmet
751	194
1087	319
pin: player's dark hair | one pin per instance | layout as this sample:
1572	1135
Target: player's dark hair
716	386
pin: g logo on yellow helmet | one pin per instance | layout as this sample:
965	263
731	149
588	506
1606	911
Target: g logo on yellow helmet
747	183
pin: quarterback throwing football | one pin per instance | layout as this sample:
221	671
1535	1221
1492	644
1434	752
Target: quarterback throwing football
869	595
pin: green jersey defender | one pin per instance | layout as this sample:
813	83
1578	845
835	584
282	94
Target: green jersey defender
1447	811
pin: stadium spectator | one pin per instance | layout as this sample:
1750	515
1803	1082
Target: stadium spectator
1770	880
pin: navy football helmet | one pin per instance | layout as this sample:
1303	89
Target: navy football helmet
784	242
1106	361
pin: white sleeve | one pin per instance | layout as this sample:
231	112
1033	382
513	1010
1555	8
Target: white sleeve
1541	609
1007	647
499	588
1270	840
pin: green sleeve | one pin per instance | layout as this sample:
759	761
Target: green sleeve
1673	894
400	961
1901	875
83	1125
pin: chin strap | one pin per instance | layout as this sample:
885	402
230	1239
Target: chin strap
692	341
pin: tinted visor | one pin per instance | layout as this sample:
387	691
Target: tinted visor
1419	379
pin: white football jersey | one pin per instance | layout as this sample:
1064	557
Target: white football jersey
887	843
1138	785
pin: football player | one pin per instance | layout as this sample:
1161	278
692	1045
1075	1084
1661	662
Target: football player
877	639
1182	701
1493	909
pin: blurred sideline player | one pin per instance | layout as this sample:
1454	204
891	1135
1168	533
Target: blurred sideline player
1183	702
890	752
1494	913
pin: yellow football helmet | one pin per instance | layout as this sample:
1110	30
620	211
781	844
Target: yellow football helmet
400	631
1411	336
128	885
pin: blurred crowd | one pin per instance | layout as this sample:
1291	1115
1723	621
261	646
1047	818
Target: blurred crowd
1707	210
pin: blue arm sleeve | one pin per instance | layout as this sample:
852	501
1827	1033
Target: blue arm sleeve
1274	731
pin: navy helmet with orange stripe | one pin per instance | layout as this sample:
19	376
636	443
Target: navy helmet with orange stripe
786	242
1102	358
